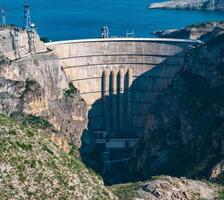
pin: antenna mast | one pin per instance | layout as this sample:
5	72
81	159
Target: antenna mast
27	18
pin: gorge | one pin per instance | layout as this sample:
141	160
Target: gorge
135	107
119	79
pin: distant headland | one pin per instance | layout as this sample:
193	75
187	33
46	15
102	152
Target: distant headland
189	4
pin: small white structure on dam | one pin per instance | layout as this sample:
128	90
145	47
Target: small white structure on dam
119	78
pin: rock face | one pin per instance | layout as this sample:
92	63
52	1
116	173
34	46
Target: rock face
17	43
190	4
32	167
217	170
32	82
184	131
168	188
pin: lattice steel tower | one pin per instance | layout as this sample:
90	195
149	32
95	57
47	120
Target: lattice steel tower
27	18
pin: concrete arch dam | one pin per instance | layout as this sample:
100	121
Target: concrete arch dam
119	78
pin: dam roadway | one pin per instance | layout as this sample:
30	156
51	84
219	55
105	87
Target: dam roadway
120	78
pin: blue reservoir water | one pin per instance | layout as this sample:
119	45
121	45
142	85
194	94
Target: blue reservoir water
75	19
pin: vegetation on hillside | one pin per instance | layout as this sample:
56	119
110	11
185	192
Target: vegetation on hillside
32	167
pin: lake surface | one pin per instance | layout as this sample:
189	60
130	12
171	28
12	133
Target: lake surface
75	19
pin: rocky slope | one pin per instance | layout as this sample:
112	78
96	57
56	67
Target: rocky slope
168	188
32	82
32	167
184	133
189	4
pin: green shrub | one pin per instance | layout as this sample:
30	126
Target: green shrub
31	120
24	146
70	91
28	85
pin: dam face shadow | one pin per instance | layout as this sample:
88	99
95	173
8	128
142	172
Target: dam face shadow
117	119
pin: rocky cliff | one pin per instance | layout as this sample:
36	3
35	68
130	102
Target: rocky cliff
32	82
189	4
184	133
32	167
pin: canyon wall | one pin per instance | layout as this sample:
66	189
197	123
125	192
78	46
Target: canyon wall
32	82
184	130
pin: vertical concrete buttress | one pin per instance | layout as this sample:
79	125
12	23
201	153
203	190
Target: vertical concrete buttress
114	100
121	99
129	98
105	96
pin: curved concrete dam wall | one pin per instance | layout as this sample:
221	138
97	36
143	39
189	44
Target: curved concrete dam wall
120	78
